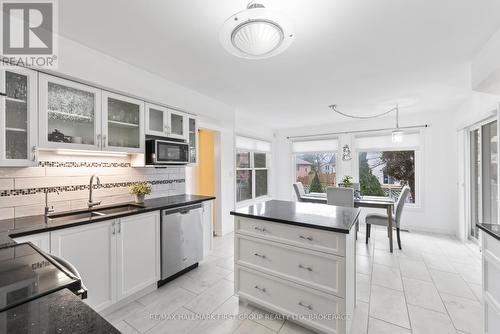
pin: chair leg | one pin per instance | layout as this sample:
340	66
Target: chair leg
368	230
399	239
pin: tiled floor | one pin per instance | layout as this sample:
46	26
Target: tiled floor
431	286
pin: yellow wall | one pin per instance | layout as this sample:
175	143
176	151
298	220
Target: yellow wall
206	179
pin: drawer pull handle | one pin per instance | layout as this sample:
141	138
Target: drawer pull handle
262	229
309	307
308	238
258	255
305	267
260	289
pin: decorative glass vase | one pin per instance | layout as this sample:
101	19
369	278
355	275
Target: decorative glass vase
139	199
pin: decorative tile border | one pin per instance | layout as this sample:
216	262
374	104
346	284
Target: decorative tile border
33	191
82	164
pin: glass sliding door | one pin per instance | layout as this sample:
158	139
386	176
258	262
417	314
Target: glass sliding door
489	141
483	172
475	181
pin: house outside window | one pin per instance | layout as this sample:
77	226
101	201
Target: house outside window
384	168
252	169
315	164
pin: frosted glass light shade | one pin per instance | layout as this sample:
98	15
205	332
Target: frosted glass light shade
256	33
257	38
397	136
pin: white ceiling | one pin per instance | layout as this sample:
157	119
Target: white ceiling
360	54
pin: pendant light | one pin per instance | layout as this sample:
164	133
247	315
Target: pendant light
256	33
397	133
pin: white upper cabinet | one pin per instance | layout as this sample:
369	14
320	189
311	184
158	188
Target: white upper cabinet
165	122
18	121
70	114
156	120
122	123
193	140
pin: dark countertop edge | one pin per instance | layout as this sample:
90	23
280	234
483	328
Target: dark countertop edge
301	224
485	228
40	229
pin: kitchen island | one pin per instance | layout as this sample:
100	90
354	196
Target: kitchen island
298	260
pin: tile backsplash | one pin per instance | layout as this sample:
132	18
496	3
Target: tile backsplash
22	189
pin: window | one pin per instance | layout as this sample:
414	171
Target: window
386	167
315	164
252	160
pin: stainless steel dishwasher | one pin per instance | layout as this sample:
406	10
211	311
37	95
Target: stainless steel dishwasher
181	241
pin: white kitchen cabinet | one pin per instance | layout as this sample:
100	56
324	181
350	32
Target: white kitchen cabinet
491	283
165	122
122	123
92	250
69	114
41	240
207	227
138	253
193	139
18	123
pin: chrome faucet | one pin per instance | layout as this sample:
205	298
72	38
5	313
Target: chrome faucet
91	203
48	210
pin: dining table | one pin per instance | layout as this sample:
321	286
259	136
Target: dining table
375	202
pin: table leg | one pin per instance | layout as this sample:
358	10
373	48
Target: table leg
389	225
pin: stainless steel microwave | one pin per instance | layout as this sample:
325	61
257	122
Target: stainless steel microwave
166	152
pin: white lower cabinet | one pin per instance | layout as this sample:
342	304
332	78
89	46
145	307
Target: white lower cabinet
41	240
138	253
208	231
116	258
92	250
491	284
304	273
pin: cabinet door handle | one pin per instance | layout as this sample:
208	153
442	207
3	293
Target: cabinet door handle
262	229
104	141
260	289
307	238
259	255
305	267
307	306
119	227
98	140
114	230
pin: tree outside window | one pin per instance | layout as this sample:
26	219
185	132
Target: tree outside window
384	173
316	171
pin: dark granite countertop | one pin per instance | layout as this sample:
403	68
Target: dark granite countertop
17	227
58	312
319	216
491	229
62	311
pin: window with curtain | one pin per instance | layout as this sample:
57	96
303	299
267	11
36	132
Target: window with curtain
315	163
386	167
252	168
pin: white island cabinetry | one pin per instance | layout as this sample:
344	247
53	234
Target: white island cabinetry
301	272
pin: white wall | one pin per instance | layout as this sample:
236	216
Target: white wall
486	66
438	211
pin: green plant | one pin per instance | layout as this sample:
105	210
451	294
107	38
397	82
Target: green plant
315	186
347	181
140	188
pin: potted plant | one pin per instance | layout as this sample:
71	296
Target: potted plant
347	181
140	190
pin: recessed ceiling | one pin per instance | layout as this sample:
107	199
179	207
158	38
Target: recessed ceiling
359	54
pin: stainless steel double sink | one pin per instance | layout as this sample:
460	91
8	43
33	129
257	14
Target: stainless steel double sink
87	214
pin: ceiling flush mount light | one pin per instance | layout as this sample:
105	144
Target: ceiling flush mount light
397	133
256	33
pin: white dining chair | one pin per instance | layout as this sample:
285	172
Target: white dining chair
340	196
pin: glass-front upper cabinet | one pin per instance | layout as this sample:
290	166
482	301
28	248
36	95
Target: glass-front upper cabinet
123	123
177	125
156	120
193	140
18	121
165	122
70	114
